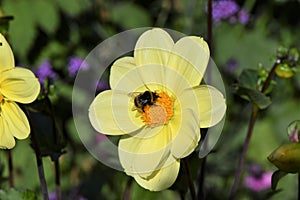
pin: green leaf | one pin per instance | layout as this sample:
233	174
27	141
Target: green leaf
276	176
22	29
48	16
248	78
129	15
12	194
29	195
47	132
254	96
73	7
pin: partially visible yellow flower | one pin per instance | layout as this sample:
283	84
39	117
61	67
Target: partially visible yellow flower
163	125
16	85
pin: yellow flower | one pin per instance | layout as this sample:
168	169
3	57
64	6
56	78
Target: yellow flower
161	126
16	85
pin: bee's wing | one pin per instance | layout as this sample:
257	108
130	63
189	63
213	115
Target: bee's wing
133	94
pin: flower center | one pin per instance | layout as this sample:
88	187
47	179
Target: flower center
1	98
160	112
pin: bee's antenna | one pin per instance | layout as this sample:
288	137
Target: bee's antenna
146	86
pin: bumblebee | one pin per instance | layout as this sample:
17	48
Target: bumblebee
145	98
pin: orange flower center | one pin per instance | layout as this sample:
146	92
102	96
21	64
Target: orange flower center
160	112
1	98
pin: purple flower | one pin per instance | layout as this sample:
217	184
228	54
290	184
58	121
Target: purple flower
44	71
102	85
52	196
243	16
76	63
258	179
228	10
231	65
223	9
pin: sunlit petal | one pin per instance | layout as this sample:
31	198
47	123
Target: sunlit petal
15	119
190	57
143	154
19	84
6	55
119	69
153	47
163	178
210	102
140	79
111	113
7	140
188	136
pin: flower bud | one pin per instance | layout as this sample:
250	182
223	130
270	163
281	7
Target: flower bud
287	157
284	71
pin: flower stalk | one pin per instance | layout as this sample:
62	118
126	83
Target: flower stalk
209	42
57	179
189	179
10	168
252	121
40	166
298	186
127	192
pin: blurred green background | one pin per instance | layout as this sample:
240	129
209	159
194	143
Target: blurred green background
55	30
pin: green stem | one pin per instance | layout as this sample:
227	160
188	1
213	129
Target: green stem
244	152
270	76
42	177
39	161
57	179
208	75
252	121
126	195
298	186
209	23
10	168
201	179
190	179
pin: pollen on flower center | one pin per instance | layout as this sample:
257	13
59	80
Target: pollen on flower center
160	112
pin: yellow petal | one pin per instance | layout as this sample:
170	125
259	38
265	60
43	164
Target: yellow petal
7	141
139	78
15	120
190	57
119	69
188	136
13	123
163	178
19	84
6	55
111	113
153	47
175	82
210	102
145	152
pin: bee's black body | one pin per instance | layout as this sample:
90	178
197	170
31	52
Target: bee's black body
146	98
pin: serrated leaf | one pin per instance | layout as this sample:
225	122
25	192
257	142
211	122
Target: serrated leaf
129	15
254	96
276	176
